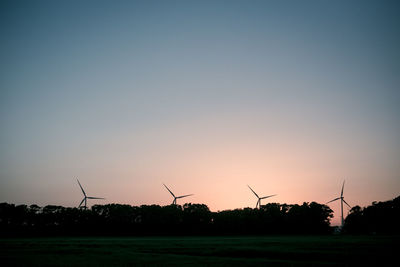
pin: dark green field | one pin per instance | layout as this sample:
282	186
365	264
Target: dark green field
218	251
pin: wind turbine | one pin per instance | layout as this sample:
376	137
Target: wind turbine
341	202
259	198
85	198
175	198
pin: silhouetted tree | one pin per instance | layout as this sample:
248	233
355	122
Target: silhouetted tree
380	218
196	218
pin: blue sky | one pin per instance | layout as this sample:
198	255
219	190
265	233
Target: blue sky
207	96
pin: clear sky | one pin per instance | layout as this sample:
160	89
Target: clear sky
290	97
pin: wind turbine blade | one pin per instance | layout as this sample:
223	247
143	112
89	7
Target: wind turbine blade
83	191
341	194
95	198
267	196
332	200
253	191
346	203
169	190
81	203
185	196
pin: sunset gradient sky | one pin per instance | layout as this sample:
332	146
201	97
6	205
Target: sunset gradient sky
290	97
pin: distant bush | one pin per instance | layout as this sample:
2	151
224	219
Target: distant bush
189	219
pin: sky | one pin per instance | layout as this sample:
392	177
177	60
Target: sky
289	97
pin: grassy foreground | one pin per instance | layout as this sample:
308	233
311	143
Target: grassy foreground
202	251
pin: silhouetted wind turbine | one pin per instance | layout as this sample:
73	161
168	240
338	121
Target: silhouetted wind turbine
259	198
175	198
85	198
341	202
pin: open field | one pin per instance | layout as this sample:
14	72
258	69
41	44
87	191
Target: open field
189	251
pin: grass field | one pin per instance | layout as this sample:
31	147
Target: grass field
202	251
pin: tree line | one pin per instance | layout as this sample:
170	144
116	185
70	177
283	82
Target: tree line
189	219
193	219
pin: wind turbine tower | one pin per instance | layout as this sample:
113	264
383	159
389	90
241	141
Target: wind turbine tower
341	203
259	198
85	197
176	197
